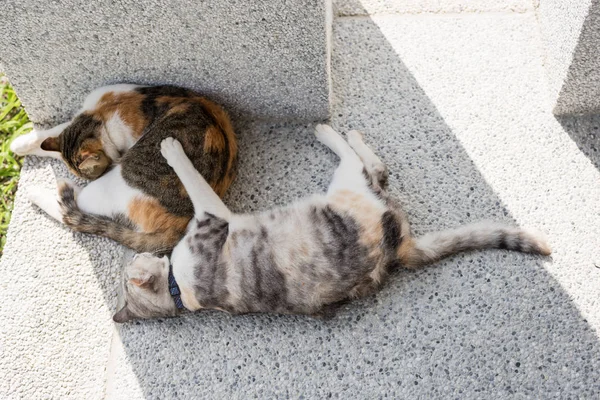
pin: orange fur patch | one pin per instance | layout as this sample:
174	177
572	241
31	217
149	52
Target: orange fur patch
176	105
214	141
172	101
90	147
150	217
178	109
189	298
129	106
405	253
224	124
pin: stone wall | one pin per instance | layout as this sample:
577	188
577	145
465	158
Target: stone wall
264	59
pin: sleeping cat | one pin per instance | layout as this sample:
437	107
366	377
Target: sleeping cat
298	259
115	139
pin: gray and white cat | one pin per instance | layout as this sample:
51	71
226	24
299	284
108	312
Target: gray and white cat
298	259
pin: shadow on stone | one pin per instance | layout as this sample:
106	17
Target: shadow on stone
585	132
484	324
580	92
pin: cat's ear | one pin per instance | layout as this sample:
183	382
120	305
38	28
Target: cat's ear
94	165
143	282
123	315
51	144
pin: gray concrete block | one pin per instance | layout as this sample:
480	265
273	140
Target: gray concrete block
465	140
57	291
374	7
584	130
455	105
265	59
572	43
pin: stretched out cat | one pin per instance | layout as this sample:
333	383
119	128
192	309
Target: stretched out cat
115	139
296	259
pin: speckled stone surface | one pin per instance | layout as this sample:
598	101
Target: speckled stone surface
571	39
57	295
373	7
264	58
585	132
455	105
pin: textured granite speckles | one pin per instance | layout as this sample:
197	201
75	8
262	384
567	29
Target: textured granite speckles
454	105
267	59
57	294
580	92
571	40
585	132
489	324
375	7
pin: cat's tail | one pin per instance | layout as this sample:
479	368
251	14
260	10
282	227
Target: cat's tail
434	246
117	228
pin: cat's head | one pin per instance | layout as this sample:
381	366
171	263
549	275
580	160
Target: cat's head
80	145
145	289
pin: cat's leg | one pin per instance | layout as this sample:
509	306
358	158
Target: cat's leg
31	143
47	200
108	195
373	164
348	175
203	197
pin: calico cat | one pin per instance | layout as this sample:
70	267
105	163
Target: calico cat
115	141
299	259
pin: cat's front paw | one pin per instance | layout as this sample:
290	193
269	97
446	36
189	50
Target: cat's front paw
171	150
323	130
25	144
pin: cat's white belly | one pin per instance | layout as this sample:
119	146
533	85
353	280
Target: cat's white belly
108	195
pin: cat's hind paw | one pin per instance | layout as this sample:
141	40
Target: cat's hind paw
46	200
171	150
38	195
25	144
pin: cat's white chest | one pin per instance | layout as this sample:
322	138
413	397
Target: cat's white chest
118	136
183	261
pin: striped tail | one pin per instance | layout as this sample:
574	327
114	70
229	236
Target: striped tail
117	228
482	235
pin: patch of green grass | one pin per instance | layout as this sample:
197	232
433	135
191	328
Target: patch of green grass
13	122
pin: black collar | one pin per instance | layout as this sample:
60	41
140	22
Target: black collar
174	289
